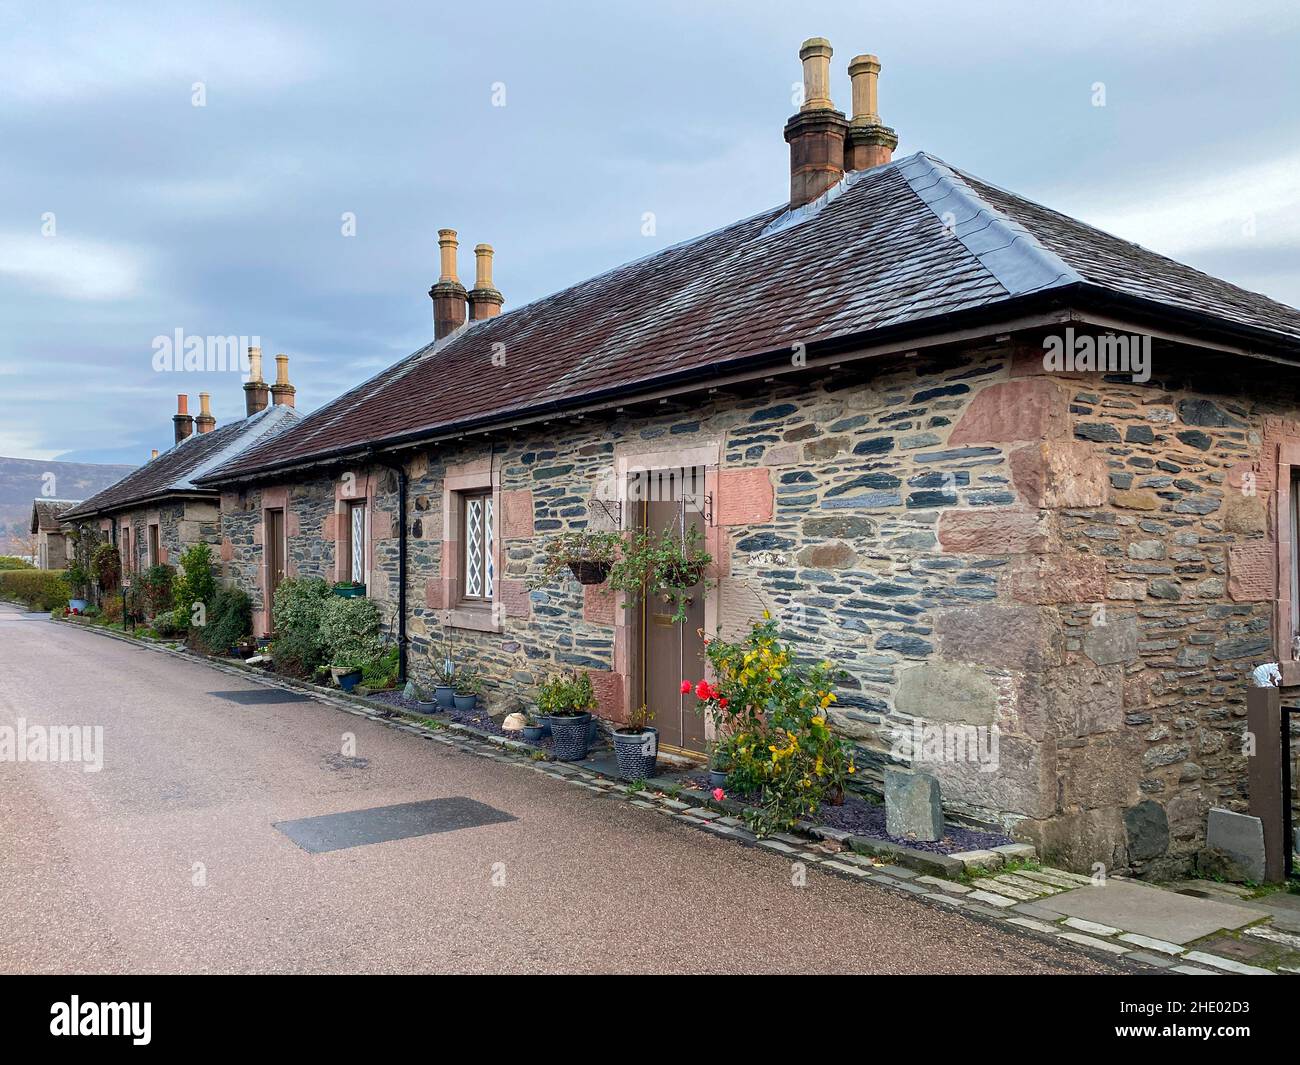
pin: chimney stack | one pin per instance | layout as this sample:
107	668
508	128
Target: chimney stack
256	394
816	132
205	422
153	454
282	392
484	300
869	142
448	294
182	419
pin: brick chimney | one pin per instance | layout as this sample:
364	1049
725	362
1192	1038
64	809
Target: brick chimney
816	132
484	300
256	394
448	294
282	392
205	422
182	419
869	142
153	454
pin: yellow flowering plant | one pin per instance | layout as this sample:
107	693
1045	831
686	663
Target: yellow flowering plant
769	712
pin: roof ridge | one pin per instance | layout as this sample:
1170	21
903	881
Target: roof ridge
1005	248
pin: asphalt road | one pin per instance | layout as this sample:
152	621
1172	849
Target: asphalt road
166	860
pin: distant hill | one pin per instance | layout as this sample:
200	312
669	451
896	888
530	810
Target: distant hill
22	480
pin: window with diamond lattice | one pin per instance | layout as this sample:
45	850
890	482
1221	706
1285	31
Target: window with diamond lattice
479	577
355	568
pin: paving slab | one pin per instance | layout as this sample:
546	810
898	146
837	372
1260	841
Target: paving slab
1282	906
1149	911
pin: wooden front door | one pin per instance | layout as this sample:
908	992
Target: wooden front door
671	652
274	554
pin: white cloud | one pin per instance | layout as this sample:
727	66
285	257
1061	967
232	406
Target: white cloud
71	268
100	51
1253	207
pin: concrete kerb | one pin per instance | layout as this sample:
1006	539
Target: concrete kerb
856	866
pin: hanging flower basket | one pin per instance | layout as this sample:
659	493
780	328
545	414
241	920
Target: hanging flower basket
587	572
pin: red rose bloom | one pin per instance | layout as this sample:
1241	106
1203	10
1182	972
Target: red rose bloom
686	687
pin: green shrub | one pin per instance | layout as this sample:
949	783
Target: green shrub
14	562
165	625
296	616
106	565
230	619
194	584
155	586
37	589
350	630
298	653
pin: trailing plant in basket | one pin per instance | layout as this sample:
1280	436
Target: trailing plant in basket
586	553
769	711
665	563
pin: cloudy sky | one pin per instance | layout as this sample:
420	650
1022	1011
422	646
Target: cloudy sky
127	212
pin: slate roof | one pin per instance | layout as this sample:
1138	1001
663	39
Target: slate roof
896	246
175	471
46	513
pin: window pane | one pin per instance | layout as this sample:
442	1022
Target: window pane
474	574
358	544
489	567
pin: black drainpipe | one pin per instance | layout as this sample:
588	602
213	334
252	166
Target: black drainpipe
400	470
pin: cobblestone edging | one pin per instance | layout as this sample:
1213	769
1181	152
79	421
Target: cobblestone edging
1002	898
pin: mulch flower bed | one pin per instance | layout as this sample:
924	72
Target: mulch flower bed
477	718
861	817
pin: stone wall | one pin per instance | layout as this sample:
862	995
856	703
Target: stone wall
181	524
1171	571
979	544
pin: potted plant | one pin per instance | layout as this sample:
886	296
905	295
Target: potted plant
444	687
567	699
586	553
534	730
636	746
719	765
467	688
671	562
350	589
347	674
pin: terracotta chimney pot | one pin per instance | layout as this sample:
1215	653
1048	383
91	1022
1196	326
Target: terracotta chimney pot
448	294
205	422
484	300
256	394
816	132
282	391
182	419
869	141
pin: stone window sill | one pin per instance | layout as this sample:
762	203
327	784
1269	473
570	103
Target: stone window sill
479	618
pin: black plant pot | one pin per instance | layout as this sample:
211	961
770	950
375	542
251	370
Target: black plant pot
590	572
444	695
465	702
571	735
637	753
717	778
533	733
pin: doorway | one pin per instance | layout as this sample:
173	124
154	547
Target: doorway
667	651
274	555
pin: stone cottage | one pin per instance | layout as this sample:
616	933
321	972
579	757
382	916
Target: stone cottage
51	532
155	512
1030	485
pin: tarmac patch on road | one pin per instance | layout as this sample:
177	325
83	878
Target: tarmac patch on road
257	696
358	828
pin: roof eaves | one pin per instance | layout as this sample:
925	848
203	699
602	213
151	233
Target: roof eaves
1014	256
